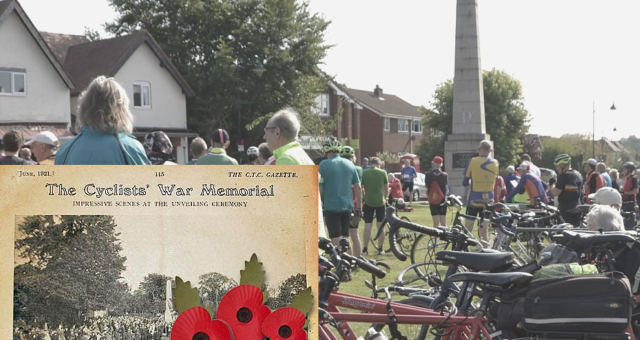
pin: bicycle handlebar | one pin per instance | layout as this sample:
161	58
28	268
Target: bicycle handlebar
395	223
361	262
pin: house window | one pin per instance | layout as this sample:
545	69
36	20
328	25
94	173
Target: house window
142	95
322	105
403	125
13	82
387	124
416	126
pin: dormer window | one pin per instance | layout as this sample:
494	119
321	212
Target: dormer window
142	95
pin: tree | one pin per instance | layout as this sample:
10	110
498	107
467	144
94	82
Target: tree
579	147
217	44
505	116
73	267
91	34
212	287
153	290
287	290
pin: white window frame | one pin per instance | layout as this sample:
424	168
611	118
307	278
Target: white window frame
419	125
387	124
406	125
15	72
142	85
322	108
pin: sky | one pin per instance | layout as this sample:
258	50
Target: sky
574	59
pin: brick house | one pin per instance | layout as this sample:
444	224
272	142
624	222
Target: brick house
328	104
386	123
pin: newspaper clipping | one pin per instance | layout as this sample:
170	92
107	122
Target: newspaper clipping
104	252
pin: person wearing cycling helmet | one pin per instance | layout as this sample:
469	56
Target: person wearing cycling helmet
159	148
337	177
567	190
252	155
350	154
630	188
217	154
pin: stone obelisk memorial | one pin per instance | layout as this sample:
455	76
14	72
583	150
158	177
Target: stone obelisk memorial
468	97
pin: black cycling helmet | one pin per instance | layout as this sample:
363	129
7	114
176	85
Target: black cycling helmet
158	141
629	165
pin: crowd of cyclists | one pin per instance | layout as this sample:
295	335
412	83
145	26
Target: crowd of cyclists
590	205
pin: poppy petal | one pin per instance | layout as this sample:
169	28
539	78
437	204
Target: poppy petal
285	324
190	322
197	320
242	309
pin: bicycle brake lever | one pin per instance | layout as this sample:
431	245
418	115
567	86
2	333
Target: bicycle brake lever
386	291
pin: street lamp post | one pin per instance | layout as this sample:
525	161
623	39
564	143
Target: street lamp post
593	136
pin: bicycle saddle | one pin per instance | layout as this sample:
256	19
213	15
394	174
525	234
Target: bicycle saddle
477	261
495	279
595	238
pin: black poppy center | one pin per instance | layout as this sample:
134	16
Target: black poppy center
244	315
200	336
284	331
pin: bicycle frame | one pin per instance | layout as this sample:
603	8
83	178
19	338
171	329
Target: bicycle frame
464	327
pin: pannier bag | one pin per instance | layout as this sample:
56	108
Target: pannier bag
579	304
510	310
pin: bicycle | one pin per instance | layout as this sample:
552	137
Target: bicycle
405	239
490	283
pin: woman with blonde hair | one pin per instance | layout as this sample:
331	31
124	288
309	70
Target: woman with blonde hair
104	125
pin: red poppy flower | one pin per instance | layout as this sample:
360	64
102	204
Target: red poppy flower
285	324
196	324
242	309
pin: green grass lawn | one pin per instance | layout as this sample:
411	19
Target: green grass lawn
420	215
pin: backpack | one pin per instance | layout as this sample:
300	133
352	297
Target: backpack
436	196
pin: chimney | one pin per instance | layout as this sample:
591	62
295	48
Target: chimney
377	91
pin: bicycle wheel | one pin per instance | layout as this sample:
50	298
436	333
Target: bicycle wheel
404	238
424	248
412	332
418	275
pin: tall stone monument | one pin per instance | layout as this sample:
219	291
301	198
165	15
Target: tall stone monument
468	97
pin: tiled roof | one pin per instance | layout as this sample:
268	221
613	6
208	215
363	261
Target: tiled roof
9	6
390	105
60	43
88	59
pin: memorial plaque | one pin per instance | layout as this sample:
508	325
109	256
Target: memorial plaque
460	160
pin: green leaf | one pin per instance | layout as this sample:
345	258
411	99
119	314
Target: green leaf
303	301
185	297
252	273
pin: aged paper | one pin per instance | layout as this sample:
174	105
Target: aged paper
195	222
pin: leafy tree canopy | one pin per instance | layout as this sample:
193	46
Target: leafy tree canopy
216	45
505	116
72	262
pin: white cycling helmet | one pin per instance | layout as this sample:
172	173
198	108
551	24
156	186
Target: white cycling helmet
252	150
